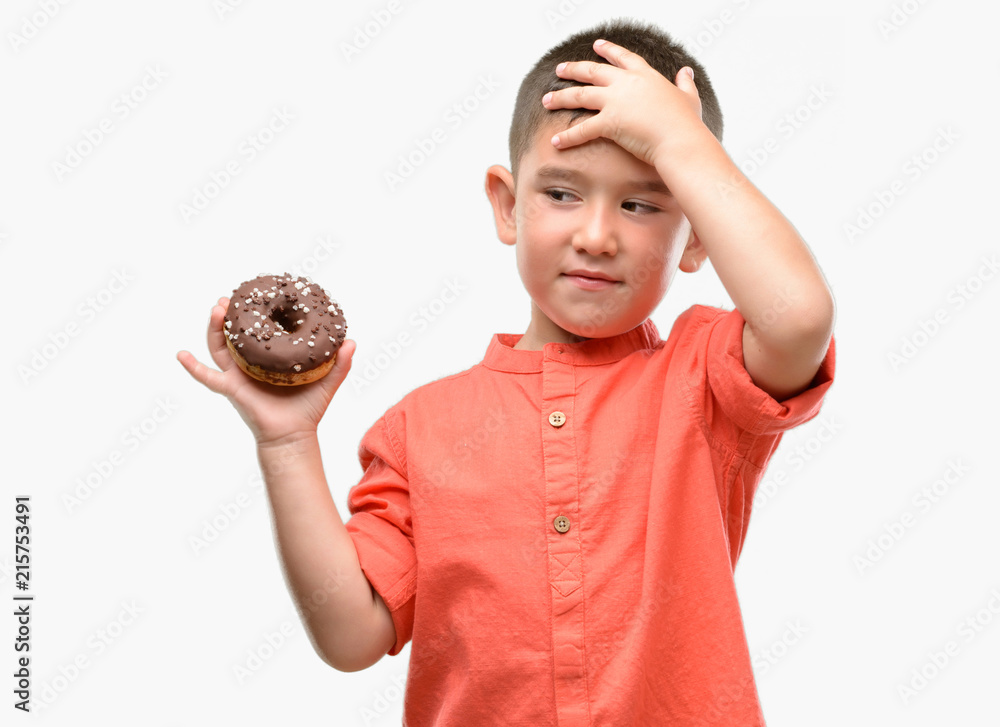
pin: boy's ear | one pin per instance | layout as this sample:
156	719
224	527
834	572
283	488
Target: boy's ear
694	254
500	190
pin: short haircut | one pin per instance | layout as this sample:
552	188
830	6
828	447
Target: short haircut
657	48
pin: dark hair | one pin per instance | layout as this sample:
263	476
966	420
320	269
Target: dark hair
657	48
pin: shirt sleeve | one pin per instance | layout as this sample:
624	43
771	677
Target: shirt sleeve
381	525
732	399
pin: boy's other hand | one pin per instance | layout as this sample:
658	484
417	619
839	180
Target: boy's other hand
273	413
639	109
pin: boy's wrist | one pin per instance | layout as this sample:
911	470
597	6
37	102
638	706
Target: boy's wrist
689	150
291	441
295	452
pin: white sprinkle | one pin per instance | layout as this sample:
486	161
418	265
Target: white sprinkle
311	343
297	367
306	291
337	326
237	304
248	301
330	337
256	324
313	336
295	343
327	353
332	309
229	324
295	307
299	285
304	309
300	320
256	312
270	295
240	345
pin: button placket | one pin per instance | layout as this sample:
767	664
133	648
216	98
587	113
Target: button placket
565	558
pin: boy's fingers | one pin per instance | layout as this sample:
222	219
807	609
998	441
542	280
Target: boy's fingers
599	74
341	366
621	57
685	80
578	134
217	339
577	97
345	356
212	379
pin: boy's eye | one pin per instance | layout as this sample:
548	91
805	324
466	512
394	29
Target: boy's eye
640	207
556	193
561	195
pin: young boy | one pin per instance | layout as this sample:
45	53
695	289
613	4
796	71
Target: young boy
556	528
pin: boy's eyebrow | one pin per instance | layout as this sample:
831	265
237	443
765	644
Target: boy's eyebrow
550	171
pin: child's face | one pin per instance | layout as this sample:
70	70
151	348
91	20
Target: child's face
597	249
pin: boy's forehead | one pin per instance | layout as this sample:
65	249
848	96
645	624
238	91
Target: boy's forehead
598	157
541	151
554	124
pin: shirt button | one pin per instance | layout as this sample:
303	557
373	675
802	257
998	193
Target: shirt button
557	419
561	524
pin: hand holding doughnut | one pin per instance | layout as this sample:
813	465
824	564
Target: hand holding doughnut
273	413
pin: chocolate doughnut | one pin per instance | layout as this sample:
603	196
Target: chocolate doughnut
284	330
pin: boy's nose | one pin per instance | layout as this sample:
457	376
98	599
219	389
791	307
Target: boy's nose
597	234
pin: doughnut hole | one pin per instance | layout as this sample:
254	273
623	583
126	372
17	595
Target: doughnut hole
286	320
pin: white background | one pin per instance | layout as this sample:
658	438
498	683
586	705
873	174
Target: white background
833	638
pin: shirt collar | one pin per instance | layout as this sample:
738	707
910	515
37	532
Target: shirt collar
502	356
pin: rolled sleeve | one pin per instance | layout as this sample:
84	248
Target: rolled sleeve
719	334
382	528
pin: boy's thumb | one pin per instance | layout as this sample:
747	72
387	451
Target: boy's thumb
687	72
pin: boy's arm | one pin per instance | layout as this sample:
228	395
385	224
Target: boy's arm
348	622
764	264
759	257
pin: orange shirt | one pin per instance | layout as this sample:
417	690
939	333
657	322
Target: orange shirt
556	530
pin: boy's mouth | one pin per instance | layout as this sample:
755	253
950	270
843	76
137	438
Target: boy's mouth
590	279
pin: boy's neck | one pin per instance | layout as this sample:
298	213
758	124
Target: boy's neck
541	330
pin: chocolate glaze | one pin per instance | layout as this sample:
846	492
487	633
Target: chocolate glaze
284	324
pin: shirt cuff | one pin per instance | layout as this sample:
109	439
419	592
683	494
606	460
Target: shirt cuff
750	407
